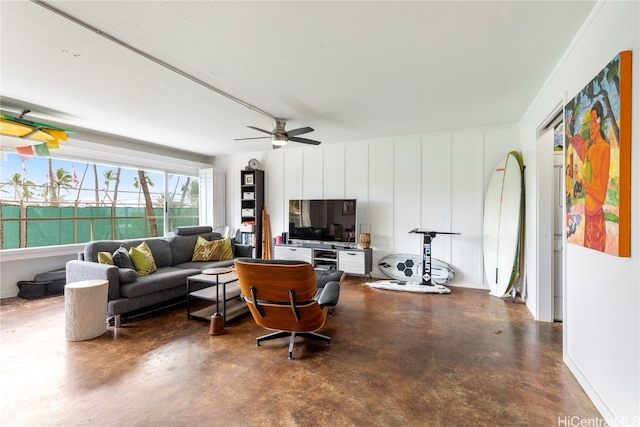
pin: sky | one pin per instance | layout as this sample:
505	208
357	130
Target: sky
36	170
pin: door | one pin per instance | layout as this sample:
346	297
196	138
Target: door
558	230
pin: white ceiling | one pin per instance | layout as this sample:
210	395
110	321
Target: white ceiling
353	70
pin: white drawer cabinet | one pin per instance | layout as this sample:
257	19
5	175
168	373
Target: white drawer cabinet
293	253
351	261
355	261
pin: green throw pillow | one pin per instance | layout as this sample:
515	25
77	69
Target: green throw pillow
215	250
105	258
143	261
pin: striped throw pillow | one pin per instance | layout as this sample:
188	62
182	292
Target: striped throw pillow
215	250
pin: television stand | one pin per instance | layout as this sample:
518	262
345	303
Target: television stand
351	261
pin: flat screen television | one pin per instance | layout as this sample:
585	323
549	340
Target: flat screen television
326	220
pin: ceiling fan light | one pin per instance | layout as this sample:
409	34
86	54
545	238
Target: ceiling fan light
278	140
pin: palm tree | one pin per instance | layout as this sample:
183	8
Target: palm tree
144	183
185	190
113	203
95	180
115	189
80	186
16	182
63	181
194	193
26	191
108	177
137	186
159	203
46	192
175	189
50	195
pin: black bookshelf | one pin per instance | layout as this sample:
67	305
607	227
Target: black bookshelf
251	201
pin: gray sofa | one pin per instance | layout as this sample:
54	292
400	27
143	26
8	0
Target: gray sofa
172	255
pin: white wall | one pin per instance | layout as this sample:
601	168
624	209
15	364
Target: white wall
434	181
602	292
18	264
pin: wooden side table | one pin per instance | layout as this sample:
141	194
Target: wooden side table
226	301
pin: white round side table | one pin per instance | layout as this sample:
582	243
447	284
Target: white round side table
85	305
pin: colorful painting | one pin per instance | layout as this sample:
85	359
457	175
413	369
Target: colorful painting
598	161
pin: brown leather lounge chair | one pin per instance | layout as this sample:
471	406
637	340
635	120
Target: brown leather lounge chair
281	296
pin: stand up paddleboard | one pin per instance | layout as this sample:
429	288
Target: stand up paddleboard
403	285
503	225
408	268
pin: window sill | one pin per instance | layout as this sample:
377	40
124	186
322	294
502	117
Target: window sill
39	252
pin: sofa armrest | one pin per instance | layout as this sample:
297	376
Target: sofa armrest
243	251
84	270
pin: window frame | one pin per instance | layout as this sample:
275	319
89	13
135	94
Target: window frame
135	160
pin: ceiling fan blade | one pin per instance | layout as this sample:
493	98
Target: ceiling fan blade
260	130
257	137
304	140
299	131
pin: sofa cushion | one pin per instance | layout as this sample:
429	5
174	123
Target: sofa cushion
105	258
163	278
161	251
142	258
214	250
127	275
121	258
159	246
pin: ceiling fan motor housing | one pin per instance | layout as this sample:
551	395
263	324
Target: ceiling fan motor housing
279	135
278	126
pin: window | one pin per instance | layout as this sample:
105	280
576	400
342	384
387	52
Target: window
183	191
47	202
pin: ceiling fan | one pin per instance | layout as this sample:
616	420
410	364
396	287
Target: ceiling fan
279	136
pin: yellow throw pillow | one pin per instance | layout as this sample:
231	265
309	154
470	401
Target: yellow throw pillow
142	258
214	250
226	251
105	258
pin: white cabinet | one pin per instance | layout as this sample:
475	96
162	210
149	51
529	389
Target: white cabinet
293	253
355	261
351	261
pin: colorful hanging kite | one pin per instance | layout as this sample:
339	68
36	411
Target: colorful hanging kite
27	129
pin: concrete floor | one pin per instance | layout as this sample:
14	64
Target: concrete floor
396	359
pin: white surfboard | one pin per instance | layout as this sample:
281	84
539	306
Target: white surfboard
502	225
406	286
405	267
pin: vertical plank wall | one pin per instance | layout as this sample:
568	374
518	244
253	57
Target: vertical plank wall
426	181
